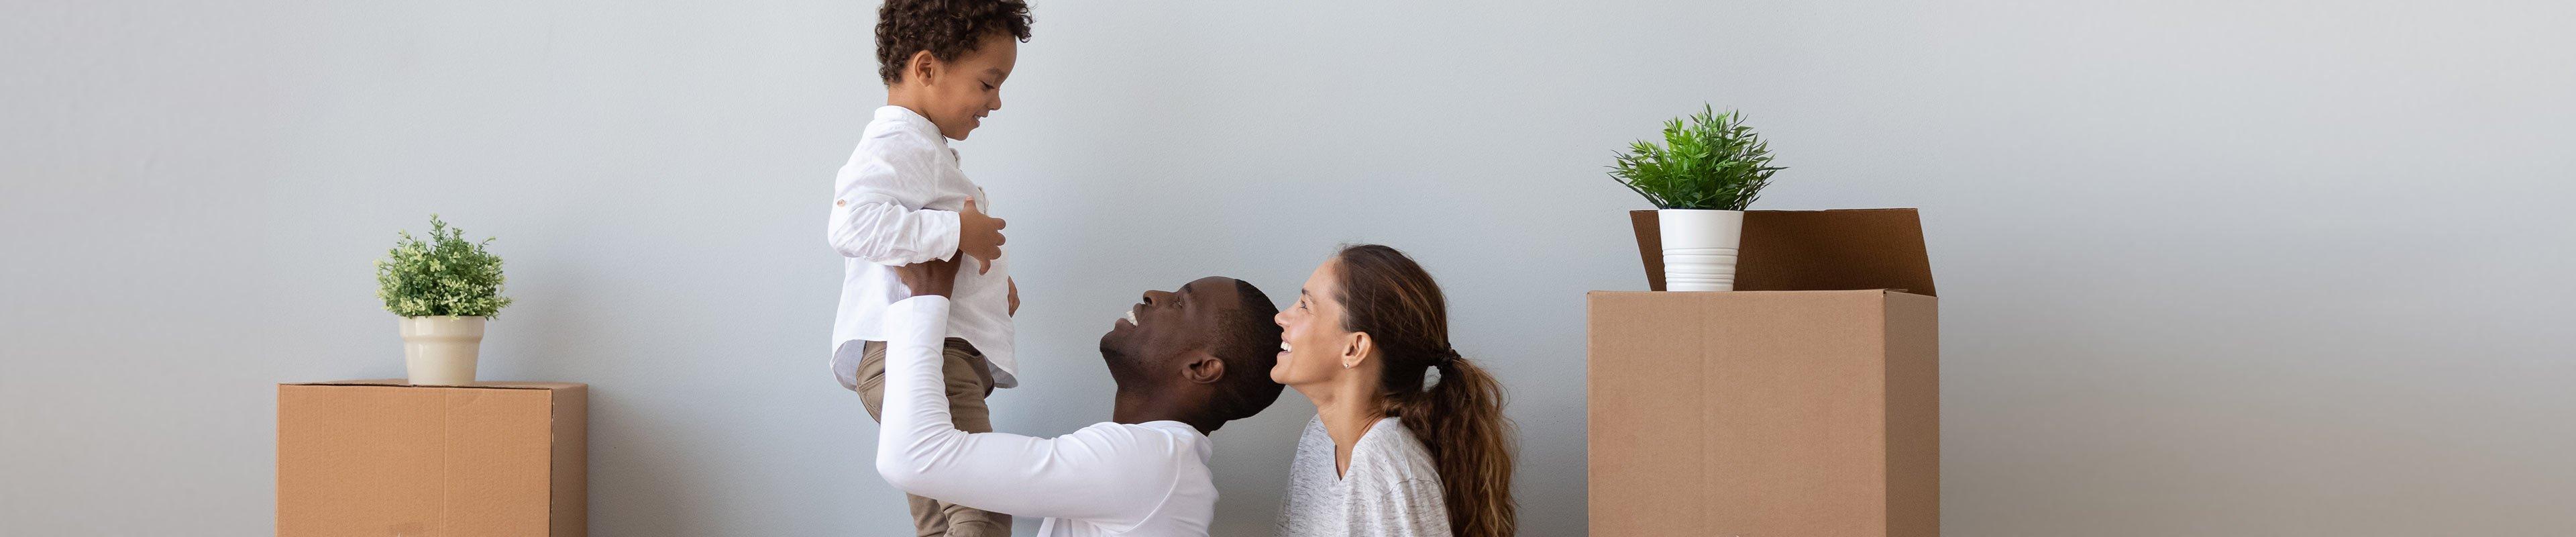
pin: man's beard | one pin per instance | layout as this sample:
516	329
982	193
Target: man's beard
1117	361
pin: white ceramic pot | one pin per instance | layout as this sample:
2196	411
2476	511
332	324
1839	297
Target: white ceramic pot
441	350
1699	248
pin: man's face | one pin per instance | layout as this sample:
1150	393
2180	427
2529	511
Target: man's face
1140	345
961	92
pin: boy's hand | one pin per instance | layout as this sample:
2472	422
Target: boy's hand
979	236
929	278
1015	296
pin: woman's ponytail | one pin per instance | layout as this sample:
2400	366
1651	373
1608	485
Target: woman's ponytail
1461	421
1458	417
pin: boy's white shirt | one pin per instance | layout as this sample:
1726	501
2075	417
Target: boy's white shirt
1144	479
895	203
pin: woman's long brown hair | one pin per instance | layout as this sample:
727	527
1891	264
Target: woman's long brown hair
1460	418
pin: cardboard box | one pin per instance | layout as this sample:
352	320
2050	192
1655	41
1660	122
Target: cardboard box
1813	250
381	458
1807	404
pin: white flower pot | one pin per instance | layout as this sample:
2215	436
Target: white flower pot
441	350
1699	248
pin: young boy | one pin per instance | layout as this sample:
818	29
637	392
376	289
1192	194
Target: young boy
902	199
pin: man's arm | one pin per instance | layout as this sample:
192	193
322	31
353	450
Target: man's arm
1105	474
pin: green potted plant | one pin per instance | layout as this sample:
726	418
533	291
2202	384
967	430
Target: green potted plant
445	289
1700	179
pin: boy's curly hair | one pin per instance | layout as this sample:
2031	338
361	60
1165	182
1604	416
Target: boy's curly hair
946	28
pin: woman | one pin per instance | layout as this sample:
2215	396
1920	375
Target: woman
1390	452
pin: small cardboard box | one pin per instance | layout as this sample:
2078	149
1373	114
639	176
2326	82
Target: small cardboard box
1805	404
381	458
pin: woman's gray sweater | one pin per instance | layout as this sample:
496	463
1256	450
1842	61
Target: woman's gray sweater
1391	490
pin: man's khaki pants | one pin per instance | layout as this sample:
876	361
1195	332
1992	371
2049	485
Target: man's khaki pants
968	383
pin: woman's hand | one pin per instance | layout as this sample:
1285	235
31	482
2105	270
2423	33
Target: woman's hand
930	278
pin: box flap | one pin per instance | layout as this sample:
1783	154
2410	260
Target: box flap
1834	250
491	384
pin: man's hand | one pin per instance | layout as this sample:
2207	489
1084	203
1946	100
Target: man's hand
979	236
929	278
1015	297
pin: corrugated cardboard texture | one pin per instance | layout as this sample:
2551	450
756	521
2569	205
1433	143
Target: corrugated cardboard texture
1810	413
1814	250
377	458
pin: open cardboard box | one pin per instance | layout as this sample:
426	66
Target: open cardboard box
1813	250
1807	402
380	457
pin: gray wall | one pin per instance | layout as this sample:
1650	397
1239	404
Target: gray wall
2210	268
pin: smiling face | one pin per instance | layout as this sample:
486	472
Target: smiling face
1166	325
1192	355
956	95
1312	344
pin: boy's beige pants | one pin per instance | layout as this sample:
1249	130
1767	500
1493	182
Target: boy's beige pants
968	383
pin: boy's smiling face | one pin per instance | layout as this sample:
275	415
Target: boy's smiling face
956	95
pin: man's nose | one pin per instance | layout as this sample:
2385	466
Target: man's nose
1152	297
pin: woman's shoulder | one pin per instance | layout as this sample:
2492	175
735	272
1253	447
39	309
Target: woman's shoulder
1391	453
1395	487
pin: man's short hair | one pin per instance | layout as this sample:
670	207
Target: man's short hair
946	28
1247	340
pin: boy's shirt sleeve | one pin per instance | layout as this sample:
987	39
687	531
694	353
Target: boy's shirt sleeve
875	214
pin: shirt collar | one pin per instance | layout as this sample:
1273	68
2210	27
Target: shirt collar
912	120
1203	447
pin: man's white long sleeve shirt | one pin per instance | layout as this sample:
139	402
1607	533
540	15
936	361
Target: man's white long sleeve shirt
895	203
1146	479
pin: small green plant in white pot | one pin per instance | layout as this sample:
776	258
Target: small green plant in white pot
445	289
1700	179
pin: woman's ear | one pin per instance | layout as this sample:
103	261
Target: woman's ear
1356	348
924	67
1203	368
